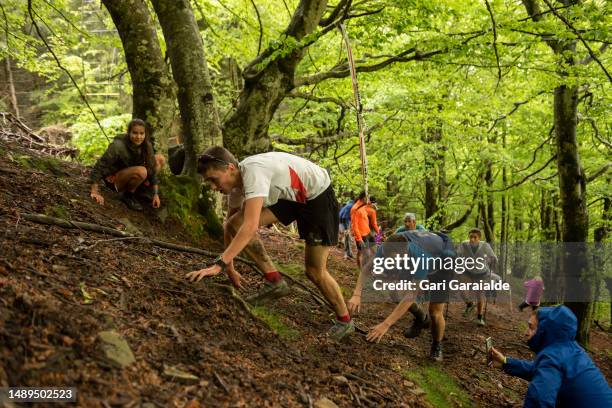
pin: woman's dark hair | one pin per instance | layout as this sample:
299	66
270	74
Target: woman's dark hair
147	147
361	195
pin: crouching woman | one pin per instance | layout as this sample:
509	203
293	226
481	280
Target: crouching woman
128	165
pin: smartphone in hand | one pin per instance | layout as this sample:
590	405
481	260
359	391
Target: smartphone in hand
488	347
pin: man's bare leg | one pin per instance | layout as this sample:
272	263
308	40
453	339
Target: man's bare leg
315	259
438	324
255	249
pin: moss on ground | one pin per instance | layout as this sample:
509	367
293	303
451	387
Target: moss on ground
275	322
441	389
46	164
292	269
58	211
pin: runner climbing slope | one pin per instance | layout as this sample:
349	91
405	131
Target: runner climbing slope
276	187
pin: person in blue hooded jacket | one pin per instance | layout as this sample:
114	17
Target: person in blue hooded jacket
562	374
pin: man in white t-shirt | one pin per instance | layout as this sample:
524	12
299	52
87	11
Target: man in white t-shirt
276	187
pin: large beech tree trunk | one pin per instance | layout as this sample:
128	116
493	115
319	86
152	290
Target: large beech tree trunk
246	130
152	88
572	181
572	190
190	71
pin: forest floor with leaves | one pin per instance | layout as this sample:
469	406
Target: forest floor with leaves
200	344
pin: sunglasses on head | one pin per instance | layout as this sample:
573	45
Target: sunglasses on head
208	157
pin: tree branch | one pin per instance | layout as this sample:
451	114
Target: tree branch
57	61
539	14
320	99
535	152
596	131
298	28
365	13
599	172
317	140
499	72
86	35
577	34
524	179
340	7
341	70
465	215
589	59
516	106
260	27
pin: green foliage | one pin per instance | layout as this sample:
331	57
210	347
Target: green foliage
90	140
441	389
275	322
456	91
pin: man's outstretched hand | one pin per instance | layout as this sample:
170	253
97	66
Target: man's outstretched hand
377	332
234	277
195	276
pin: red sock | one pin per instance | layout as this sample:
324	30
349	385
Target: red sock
344	319
273	276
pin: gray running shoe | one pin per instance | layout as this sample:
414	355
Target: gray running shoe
268	292
340	330
481	322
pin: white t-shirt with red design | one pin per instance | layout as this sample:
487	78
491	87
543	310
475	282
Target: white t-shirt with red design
279	176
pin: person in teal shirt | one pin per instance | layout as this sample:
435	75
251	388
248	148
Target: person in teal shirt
410	224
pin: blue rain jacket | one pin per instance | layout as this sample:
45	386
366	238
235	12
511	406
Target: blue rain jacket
562	374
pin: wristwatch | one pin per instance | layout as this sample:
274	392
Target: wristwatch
219	261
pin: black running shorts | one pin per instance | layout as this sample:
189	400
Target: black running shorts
317	220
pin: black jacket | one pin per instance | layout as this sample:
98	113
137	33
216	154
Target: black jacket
120	154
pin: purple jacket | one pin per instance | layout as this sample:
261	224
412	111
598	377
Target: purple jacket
534	287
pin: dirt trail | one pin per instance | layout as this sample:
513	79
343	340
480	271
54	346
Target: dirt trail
60	288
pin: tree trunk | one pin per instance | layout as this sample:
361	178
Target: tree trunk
572	182
548	253
190	71
435	182
504	215
519	266
488	210
246	130
152	88
11	86
572	189
600	235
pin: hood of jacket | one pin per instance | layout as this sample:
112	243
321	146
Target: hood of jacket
555	325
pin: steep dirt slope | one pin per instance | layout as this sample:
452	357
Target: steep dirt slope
60	288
